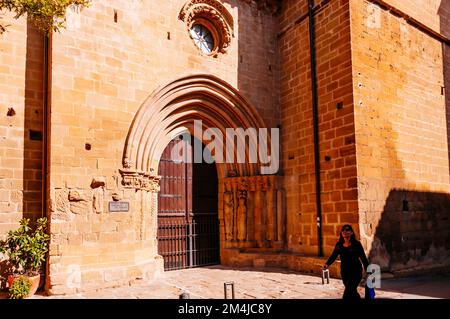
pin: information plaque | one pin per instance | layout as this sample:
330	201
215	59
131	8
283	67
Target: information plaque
116	207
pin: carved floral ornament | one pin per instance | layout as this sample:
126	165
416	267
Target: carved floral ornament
245	184
212	16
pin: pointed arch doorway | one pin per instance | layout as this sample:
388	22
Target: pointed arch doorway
251	204
188	222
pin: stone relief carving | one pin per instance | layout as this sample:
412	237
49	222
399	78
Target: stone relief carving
59	205
228	210
261	199
242	215
98	182
117	197
232	173
77	196
79	202
127	163
140	180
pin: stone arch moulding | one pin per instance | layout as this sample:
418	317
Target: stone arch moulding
171	111
217	16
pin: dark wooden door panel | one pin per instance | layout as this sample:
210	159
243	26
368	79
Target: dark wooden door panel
188	230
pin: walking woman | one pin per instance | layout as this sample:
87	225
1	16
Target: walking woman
352	258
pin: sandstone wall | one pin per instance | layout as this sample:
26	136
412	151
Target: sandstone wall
401	135
103	71
336	124
21	122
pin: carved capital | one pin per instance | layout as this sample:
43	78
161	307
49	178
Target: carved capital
262	183
242	194
155	186
127	163
130	178
232	173
140	180
243	185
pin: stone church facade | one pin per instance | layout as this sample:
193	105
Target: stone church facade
86	116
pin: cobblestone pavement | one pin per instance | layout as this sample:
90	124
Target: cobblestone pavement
262	284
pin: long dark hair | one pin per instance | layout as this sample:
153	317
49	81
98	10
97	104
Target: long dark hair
352	237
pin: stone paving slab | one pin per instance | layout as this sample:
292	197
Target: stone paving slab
264	283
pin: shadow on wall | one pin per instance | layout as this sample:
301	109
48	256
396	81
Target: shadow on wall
5	268
29	196
33	124
444	15
413	233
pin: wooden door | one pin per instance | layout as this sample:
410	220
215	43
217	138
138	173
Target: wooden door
188	232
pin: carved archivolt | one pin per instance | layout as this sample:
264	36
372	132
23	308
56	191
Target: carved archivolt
213	15
170	110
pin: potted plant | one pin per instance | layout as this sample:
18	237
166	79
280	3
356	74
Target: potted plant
20	288
26	250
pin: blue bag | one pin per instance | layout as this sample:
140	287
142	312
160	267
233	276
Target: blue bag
369	293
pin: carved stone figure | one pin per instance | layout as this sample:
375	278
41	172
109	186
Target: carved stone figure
242	215
228	210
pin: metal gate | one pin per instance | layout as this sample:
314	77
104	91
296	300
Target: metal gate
188	229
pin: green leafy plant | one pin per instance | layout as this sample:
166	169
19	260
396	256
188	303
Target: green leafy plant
47	15
26	248
20	288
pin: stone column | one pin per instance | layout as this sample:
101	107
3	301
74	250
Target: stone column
271	221
154	188
242	211
258	213
234	187
251	212
264	209
281	219
144	199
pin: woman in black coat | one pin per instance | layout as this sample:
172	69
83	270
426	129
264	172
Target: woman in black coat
352	258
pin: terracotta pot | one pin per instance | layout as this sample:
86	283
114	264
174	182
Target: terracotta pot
33	279
10	280
34	284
